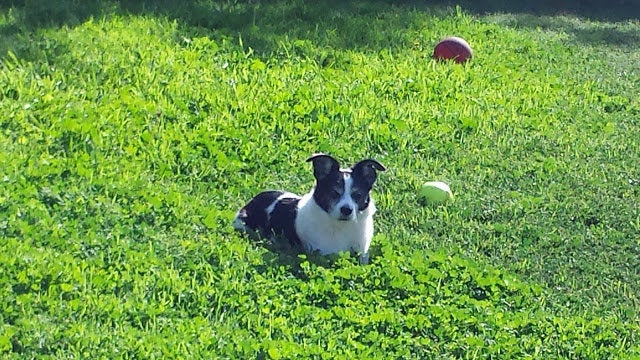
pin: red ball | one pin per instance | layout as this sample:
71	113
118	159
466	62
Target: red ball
453	48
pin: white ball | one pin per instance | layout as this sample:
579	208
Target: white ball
435	192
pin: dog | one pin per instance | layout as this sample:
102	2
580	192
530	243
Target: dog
335	216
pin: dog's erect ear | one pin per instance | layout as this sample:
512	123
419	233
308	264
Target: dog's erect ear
366	169
323	165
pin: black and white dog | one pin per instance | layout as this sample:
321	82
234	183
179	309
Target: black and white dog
337	215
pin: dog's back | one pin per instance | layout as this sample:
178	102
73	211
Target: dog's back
270	214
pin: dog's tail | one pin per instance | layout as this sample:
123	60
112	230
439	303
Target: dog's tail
240	221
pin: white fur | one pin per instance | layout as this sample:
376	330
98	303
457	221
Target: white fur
320	231
239	225
345	200
286	195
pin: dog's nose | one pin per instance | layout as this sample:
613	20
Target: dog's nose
346	211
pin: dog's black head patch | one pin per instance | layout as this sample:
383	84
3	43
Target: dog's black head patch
329	181
364	175
344	189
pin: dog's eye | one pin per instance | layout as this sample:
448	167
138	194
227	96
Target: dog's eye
335	193
356	195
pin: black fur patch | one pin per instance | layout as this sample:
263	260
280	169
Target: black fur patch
282	220
364	175
328	190
360	193
254	214
279	223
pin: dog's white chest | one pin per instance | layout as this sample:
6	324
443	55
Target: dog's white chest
319	231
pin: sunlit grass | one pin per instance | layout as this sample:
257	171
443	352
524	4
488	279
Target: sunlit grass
132	135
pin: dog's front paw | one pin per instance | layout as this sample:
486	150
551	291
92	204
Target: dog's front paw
364	259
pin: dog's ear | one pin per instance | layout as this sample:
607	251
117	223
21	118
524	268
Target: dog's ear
366	169
323	165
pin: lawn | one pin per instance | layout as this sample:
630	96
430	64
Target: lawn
131	134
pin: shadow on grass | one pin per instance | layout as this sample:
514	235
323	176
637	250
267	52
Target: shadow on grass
591	22
600	33
363	24
281	254
600	10
261	23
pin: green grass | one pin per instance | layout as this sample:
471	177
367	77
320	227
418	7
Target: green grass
131	135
